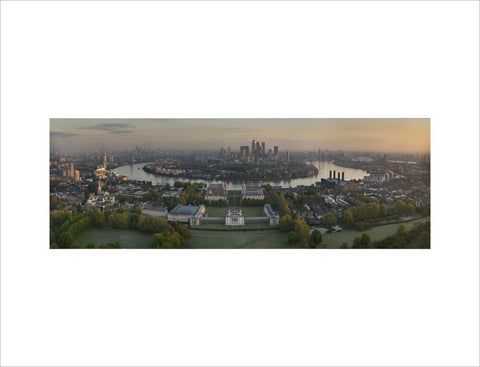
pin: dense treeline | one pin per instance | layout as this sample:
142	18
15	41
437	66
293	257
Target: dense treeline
59	216
418	236
299	233
192	194
407	208
65	225
298	230
360	197
168	238
330	219
316	240
132	219
277	200
123	220
363	212
150	224
286	223
56	204
98	219
301	199
165	235
171	236
364	215
373	213
404	208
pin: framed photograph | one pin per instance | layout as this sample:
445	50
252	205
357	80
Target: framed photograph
240	183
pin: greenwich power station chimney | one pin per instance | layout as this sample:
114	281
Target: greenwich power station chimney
330	177
343	176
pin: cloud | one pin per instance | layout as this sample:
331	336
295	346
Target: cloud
107	127
121	131
58	134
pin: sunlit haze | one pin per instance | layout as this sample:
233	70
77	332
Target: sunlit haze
387	135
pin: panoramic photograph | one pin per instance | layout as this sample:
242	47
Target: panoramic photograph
240	183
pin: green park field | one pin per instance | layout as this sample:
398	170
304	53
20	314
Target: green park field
232	238
335	240
271	239
198	239
248	211
128	238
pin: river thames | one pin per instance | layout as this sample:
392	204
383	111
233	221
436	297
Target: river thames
136	172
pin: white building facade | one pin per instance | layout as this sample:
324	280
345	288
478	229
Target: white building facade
234	218
254	192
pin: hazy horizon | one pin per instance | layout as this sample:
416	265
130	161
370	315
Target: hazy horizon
407	135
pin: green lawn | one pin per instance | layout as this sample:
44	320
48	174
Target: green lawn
272	239
198	239
335	240
248	211
268	239
234	197
216	211
253	211
128	238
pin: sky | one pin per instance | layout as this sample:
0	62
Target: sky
377	135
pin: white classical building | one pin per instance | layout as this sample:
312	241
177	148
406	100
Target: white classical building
254	192
149	208
187	213
234	218
273	217
216	192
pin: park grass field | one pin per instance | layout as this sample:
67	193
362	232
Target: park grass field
128	238
335	240
198	239
248	211
231	239
216	211
272	239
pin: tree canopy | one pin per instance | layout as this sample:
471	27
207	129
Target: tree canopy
330	219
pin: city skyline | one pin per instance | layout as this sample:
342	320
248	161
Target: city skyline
253	188
387	134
